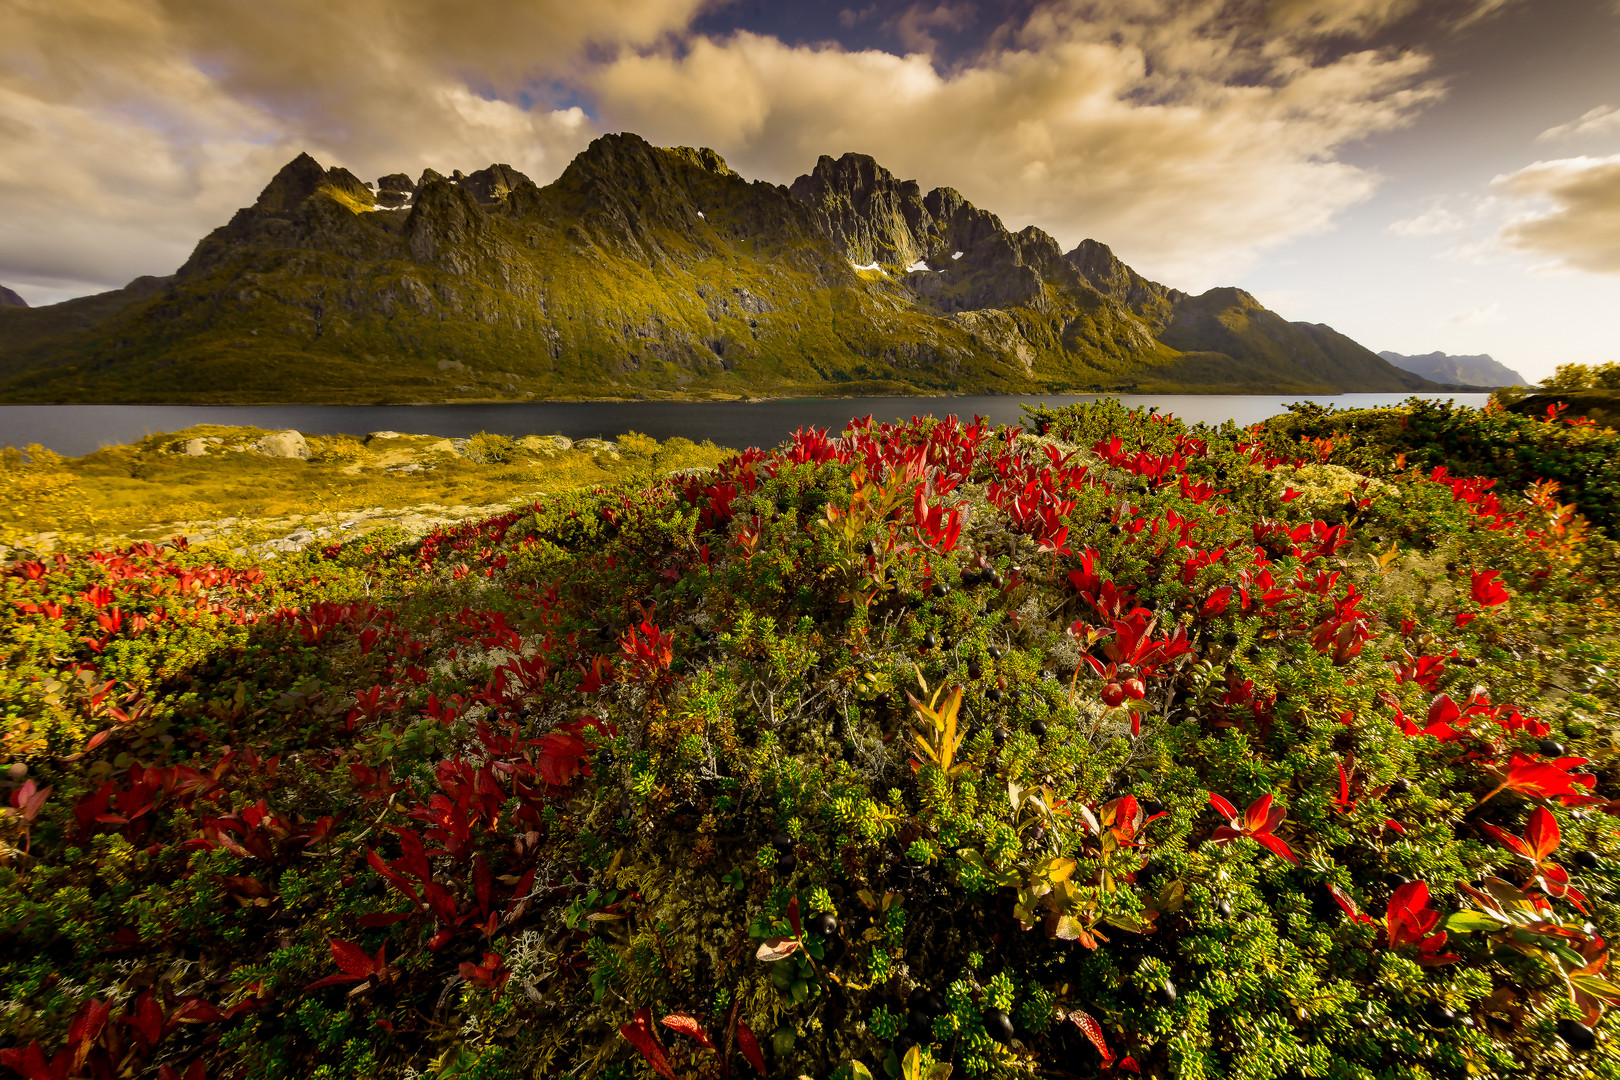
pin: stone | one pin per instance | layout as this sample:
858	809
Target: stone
283	444
384	435
194	448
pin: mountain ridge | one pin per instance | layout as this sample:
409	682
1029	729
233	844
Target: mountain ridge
650	272
1477	370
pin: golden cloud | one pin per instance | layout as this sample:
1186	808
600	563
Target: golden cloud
1189	133
1152	143
1581	229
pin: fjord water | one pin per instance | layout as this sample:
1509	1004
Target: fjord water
75	430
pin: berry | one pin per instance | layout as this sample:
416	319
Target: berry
1038	729
1400	786
993	694
999	1026
1437	1014
823	924
995	652
1165	993
1576	1035
940	589
787	864
1549	748
782	842
1224	909
1135	688
1113	695
930	640
1586	860
999	736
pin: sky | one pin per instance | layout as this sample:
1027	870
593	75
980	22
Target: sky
1419	174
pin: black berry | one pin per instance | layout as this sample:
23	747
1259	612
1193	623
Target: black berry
1576	1035
999	1026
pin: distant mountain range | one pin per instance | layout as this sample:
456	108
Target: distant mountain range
11	299
649	272
1464	370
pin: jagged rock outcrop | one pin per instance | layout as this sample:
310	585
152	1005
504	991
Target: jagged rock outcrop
647	270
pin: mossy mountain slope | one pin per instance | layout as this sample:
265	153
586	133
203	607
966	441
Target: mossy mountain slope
647	272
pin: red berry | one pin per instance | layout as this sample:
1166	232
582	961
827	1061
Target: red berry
1113	695
1135	688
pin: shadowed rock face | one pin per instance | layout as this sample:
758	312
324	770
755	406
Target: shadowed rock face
11	299
648	270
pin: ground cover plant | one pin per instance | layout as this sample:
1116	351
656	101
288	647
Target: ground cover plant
152	488
1106	747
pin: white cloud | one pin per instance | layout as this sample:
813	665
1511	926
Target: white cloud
1597	121
1435	222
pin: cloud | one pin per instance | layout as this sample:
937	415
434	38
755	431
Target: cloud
132	127
1435	222
1597	121
1187	142
1581	228
917	23
1190	134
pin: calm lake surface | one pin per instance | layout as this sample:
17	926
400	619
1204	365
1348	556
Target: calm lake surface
78	429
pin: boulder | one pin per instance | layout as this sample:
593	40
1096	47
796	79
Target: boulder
384	435
194	448
283	444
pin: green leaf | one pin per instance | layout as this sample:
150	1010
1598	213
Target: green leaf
1597	986
1466	922
858	1071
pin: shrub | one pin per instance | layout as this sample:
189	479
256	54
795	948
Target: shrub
1124	746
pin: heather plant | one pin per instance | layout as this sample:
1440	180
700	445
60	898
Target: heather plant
1109	747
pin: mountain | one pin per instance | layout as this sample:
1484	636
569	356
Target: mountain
1463	370
11	299
649	272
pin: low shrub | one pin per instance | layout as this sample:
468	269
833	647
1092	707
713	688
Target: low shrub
1118	748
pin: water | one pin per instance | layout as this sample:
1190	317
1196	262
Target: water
78	429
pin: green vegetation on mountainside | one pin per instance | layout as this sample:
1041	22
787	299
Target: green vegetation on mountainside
645	272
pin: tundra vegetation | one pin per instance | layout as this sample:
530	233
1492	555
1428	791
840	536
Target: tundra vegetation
1103	747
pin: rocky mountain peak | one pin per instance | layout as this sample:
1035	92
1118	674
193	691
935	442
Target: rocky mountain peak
11	299
302	177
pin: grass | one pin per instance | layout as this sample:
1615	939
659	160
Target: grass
150	489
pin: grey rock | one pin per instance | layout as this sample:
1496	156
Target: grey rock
283	444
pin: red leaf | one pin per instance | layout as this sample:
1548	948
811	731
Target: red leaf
86	1028
352	959
1542	833
1093	1031
793	917
1508	840
1277	847
639	1032
750	1047
688	1026
1222	805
